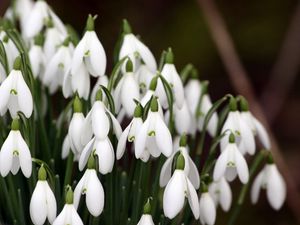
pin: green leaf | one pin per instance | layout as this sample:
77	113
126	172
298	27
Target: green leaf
110	99
3	58
115	73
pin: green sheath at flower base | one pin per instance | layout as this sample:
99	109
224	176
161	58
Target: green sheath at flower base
180	163
69	195
231	138
17	63
39	39
5	39
204	87
90	23
204	187
15	125
147	207
153	84
126	27
99	95
154	105
42	174
91	162
49	23
244	104
169	56
194	73
270	159
232	104
138	111
67	41
77	105
129	66
183	140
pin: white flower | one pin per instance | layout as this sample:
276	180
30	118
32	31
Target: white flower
15	94
42	203
243	133
144	76
58	66
271	180
190	168
257	128
192	91
231	163
90	186
153	136
37	60
126	91
104	151
129	134
53	38
135	49
97	123
171	75
207	209
23	9
15	153
178	188
40	13
10	49
183	119
89	52
146	219
221	193
68	215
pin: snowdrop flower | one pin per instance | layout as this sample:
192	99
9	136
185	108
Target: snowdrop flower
102	80
15	153
40	13
146	218
183	119
68	215
144	76
190	168
136	50
2	73
58	65
90	186
53	38
42	203
75	129
36	57
153	136
221	193
15	94
127	90
171	75
129	134
231	163
243	133
271	180
207	207
89	52
23	9
178	188
97	122
256	126
10	49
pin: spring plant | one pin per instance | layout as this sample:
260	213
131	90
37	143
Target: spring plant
145	145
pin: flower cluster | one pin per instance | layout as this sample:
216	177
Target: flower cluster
139	119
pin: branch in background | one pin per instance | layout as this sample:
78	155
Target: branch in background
243	86
284	70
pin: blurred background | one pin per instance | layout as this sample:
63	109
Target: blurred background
260	30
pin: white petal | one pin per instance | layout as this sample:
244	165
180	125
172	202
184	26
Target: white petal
193	199
165	173
247	138
262	134
276	188
207	209
225	195
106	156
6	154
116	125
94	195
85	154
241	167
163	137
5	89
129	92
78	55
76	220
65	148
146	219
38	207
174	195
122	142
194	174
141	138
61	218
257	184
24	156
81	82
51	203
24	96
221	164
100	121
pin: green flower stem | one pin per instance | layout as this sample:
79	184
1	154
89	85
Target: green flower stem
186	72
21	208
162	60
8	201
57	192
255	164
69	169
12	192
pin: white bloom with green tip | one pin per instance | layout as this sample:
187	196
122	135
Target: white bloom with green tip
178	188
207	209
146	218
15	94
43	202
15	153
37	60
272	181
221	193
